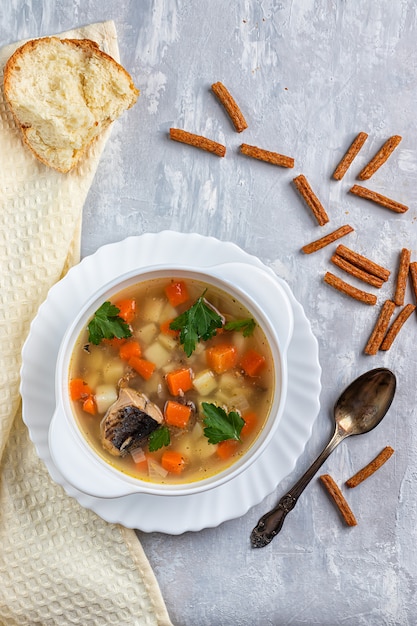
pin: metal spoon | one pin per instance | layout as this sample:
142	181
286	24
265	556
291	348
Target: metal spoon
358	410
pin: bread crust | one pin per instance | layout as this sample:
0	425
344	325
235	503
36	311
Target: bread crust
90	49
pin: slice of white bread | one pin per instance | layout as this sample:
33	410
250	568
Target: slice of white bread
63	93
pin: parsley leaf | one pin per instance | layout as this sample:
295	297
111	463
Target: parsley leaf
160	437
221	425
106	324
247	326
196	323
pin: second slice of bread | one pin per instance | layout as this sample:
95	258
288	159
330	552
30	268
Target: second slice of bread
63	93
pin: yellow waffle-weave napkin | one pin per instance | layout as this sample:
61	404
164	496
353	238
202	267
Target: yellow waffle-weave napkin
59	563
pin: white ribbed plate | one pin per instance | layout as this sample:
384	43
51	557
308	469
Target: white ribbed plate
173	515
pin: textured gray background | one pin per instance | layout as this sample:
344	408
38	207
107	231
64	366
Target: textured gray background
309	75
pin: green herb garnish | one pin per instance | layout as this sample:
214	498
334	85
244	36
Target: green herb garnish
221	425
247	326
198	322
106	324
160	437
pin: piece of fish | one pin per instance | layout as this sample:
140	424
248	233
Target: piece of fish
128	421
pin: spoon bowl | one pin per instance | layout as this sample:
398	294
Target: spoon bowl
363	404
359	409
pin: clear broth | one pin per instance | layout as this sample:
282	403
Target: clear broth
102	369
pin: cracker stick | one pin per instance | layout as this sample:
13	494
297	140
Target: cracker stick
380	328
197	141
337	496
413	276
363	262
353	270
230	105
311	199
265	155
348	157
327	239
349	290
402	276
380	157
396	326
388	203
371	468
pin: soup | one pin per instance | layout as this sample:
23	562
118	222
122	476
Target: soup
171	381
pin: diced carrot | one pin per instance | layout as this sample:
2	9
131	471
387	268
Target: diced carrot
142	366
251	419
127	309
165	328
177	414
179	381
222	357
79	389
129	349
89	405
172	461
177	293
252	362
225	449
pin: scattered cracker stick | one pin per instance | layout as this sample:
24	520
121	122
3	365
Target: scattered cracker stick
230	105
396	326
311	199
363	262
380	157
388	203
337	496
353	270
371	468
380	328
349	290
327	239
413	276
402	276
265	155
349	156
177	134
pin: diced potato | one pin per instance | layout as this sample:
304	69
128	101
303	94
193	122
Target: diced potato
239	403
168	312
169	342
93	379
157	354
239	341
198	356
152	308
245	390
197	431
169	367
105	396
205	382
200	348
147	333
184	445
230	386
203	448
227	381
113	371
223	397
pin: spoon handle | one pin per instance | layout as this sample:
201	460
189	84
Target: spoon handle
271	523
